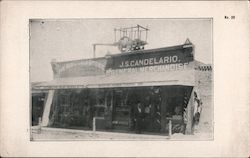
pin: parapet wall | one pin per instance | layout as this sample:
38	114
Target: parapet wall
204	86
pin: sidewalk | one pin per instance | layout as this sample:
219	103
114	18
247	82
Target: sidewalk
48	133
52	134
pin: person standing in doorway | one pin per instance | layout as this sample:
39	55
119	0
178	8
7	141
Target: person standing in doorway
89	116
139	118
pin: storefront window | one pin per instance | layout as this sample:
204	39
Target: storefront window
97	97
76	108
121	112
70	108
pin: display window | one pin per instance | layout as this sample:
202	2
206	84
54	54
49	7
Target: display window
117	108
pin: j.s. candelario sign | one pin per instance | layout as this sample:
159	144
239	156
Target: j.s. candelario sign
179	55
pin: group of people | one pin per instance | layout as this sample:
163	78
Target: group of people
145	118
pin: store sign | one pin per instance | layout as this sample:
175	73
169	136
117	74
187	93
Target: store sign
157	68
149	61
85	63
78	68
156	60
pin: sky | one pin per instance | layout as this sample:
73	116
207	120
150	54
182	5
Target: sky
65	40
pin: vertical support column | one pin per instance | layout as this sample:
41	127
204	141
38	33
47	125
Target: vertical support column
46	112
94	124
189	126
94	49
106	100
138	30
163	109
39	125
111	107
112	101
108	111
115	35
170	127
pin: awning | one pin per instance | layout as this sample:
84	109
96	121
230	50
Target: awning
185	78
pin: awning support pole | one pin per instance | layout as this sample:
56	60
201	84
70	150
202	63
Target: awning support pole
170	128
46	111
163	109
94	124
39	125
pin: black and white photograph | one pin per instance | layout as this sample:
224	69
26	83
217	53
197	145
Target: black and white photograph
121	79
124	78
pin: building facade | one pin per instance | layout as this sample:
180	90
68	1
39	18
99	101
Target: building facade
106	92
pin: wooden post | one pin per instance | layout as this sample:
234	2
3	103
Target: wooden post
138	27
112	100
108	113
47	108
163	109
39	125
94	49
111	107
170	127
106	99
94	125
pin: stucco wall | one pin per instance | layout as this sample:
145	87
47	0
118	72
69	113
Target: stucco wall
204	86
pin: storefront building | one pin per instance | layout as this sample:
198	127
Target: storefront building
107	91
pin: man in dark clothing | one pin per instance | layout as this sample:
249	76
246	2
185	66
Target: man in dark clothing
139	118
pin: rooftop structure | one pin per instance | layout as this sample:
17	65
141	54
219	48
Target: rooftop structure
127	39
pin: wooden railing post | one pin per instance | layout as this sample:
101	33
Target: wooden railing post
94	124
170	127
39	125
